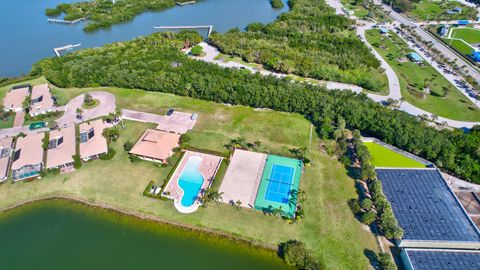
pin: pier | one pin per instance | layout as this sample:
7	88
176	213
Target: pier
209	27
185	3
66	47
65	22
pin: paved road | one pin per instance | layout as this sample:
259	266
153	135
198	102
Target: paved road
394	85
14	131
105	107
428	37
141	116
393	82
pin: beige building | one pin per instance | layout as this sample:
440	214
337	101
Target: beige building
156	145
28	157
61	148
92	142
6	150
13	101
41	100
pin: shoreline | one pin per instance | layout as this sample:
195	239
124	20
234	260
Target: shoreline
152	218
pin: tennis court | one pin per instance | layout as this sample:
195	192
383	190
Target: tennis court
279	185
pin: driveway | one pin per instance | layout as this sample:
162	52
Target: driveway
178	122
105	107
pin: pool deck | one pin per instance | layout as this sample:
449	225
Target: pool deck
208	168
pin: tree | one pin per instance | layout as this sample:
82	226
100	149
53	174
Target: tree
238	204
366	204
294	253
111	134
385	261
79	112
197	50
211	195
368	217
445	91
87	99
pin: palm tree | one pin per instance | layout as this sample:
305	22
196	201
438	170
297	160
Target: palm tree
238	204
211	195
79	112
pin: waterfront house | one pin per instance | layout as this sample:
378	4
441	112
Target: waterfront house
155	145
28	157
92	142
41	100
61	149
6	145
14	99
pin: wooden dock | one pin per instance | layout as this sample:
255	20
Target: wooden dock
66	47
209	27
185	3
65	22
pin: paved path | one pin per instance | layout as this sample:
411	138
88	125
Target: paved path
105	107
141	116
14	131
19	119
393	82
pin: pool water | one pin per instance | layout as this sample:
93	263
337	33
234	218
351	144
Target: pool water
191	181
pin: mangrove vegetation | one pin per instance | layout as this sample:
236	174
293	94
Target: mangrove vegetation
311	41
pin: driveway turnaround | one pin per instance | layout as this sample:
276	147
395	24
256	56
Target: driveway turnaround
105	107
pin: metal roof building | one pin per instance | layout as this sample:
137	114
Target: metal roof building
426	259
427	210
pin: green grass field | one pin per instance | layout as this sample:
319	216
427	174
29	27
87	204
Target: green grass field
412	79
429	10
384	157
329	227
8	121
470	35
460	46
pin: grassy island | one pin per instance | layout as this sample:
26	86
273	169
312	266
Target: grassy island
104	13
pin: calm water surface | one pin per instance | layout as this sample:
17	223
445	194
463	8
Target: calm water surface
27	36
65	235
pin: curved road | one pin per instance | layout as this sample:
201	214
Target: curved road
393	82
105	107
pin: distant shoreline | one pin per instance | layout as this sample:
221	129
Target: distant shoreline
108	207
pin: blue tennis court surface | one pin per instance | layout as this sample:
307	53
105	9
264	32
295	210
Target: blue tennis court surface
279	184
278	188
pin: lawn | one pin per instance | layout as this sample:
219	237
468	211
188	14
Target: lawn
384	157
329	228
7	122
413	77
430	10
459	46
470	35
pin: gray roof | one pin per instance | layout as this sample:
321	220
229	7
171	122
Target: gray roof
425	206
452	260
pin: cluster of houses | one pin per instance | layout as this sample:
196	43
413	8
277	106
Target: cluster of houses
41	100
26	155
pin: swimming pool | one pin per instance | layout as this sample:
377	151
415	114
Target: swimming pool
190	181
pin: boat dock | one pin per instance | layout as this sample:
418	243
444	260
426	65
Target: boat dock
209	27
185	3
65	22
66	47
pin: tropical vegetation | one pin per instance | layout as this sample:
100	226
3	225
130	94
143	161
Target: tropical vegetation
155	63
311	41
104	13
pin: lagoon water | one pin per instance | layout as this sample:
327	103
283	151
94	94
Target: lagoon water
27	36
66	235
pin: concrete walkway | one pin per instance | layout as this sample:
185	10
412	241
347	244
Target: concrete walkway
105	107
19	119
